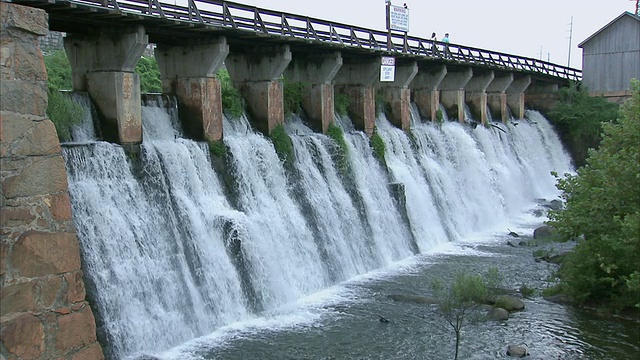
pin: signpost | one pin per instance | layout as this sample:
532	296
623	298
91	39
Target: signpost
398	20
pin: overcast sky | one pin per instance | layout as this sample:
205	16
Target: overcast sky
521	27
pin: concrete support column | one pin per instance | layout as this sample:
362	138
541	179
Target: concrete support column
256	73
356	79
497	96
476	95
397	93
316	71
515	95
189	72
452	91
425	91
541	96
104	65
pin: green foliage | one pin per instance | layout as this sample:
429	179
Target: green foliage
58	70
341	104
342	157
439	116
147	69
378	146
217	148
459	302
603	206
526	291
64	113
292	97
282	143
231	99
578	118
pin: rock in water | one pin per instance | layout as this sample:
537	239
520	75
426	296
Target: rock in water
518	351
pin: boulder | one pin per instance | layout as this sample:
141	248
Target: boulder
544	232
498	314
517	351
509	303
555	204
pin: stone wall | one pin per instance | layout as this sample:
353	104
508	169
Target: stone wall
43	312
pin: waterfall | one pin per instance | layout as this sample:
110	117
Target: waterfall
177	244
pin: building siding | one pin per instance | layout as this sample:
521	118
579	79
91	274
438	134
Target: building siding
612	58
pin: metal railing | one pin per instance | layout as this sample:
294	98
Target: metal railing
240	17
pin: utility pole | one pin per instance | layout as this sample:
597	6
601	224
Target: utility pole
570	34
540	53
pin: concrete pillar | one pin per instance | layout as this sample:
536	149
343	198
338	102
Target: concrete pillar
397	93
452	90
476	95
256	72
189	72
104	65
425	91
317	72
541	96
515	95
497	96
356	79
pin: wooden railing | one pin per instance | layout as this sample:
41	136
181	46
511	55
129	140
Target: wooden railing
240	17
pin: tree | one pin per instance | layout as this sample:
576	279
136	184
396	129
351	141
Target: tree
147	69
61	109
58	70
459	302
578	118
602	211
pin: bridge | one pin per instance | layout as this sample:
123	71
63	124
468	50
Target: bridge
105	39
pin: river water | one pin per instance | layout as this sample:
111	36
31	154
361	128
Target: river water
343	322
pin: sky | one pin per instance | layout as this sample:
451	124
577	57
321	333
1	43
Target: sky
537	29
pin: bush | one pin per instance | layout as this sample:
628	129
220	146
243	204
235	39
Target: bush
578	118
58	70
341	104
292	97
603	206
282	143
460	301
378	146
217	148
231	99
342	157
64	113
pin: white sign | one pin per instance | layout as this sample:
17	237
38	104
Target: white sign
388	60
398	18
387	73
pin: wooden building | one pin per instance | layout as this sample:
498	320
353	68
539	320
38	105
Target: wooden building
611	58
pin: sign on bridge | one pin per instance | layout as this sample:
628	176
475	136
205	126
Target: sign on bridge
387	68
398	18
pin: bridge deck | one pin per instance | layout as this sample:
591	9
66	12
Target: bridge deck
249	26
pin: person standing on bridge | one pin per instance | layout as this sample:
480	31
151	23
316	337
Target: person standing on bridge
434	40
445	40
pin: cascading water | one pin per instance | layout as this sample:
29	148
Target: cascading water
173	250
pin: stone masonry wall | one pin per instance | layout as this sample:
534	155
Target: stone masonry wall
43	312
